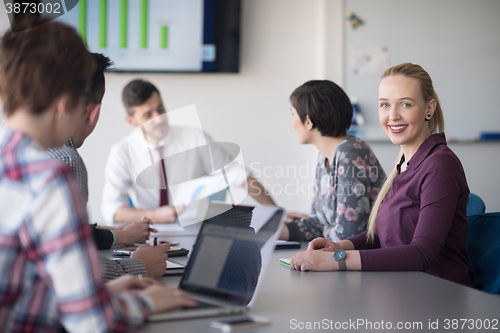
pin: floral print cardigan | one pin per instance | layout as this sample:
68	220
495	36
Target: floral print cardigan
345	191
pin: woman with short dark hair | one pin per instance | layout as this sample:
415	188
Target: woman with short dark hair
348	175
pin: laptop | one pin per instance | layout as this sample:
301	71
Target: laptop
228	260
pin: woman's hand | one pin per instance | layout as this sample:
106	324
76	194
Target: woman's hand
323	245
314	260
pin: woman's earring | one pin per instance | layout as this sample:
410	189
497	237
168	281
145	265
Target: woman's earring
428	117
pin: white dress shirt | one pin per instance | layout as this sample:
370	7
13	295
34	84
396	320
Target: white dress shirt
132	168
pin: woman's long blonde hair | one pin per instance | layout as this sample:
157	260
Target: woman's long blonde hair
436	125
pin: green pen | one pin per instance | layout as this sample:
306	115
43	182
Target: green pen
285	262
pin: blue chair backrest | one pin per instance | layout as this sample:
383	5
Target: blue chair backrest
483	249
475	205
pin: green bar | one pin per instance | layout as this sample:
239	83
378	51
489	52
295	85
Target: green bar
123	24
82	9
164	36
103	24
144	24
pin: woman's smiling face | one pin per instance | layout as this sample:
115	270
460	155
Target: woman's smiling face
402	112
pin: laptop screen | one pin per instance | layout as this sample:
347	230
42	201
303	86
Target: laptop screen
233	249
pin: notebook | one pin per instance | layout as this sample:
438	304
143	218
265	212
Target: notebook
228	260
174	268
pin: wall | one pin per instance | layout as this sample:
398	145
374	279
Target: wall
282	47
456	43
284	43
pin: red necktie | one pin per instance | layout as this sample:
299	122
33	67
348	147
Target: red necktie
163	181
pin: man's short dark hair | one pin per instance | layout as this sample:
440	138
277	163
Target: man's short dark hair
43	62
326	104
136	93
97	85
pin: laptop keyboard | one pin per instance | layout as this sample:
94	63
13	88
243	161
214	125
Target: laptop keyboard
201	305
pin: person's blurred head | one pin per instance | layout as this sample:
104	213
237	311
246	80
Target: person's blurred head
93	98
321	105
97	87
145	109
45	68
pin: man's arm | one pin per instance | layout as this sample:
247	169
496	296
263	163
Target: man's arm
164	214
114	268
222	157
133	232
146	260
65	251
117	182
115	199
103	238
125	234
258	192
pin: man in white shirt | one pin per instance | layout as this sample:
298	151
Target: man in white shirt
145	110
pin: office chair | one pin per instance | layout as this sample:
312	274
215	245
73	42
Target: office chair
475	205
483	249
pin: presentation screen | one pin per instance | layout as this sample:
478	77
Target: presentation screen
161	35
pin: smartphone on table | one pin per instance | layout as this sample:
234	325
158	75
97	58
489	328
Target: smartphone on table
239	322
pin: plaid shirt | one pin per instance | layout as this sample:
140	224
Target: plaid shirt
69	155
49	267
110	268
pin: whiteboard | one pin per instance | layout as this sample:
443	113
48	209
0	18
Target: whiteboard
456	41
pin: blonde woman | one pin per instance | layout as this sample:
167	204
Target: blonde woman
419	220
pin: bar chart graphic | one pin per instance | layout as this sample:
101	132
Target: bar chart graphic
160	34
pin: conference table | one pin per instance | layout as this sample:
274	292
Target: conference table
353	301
